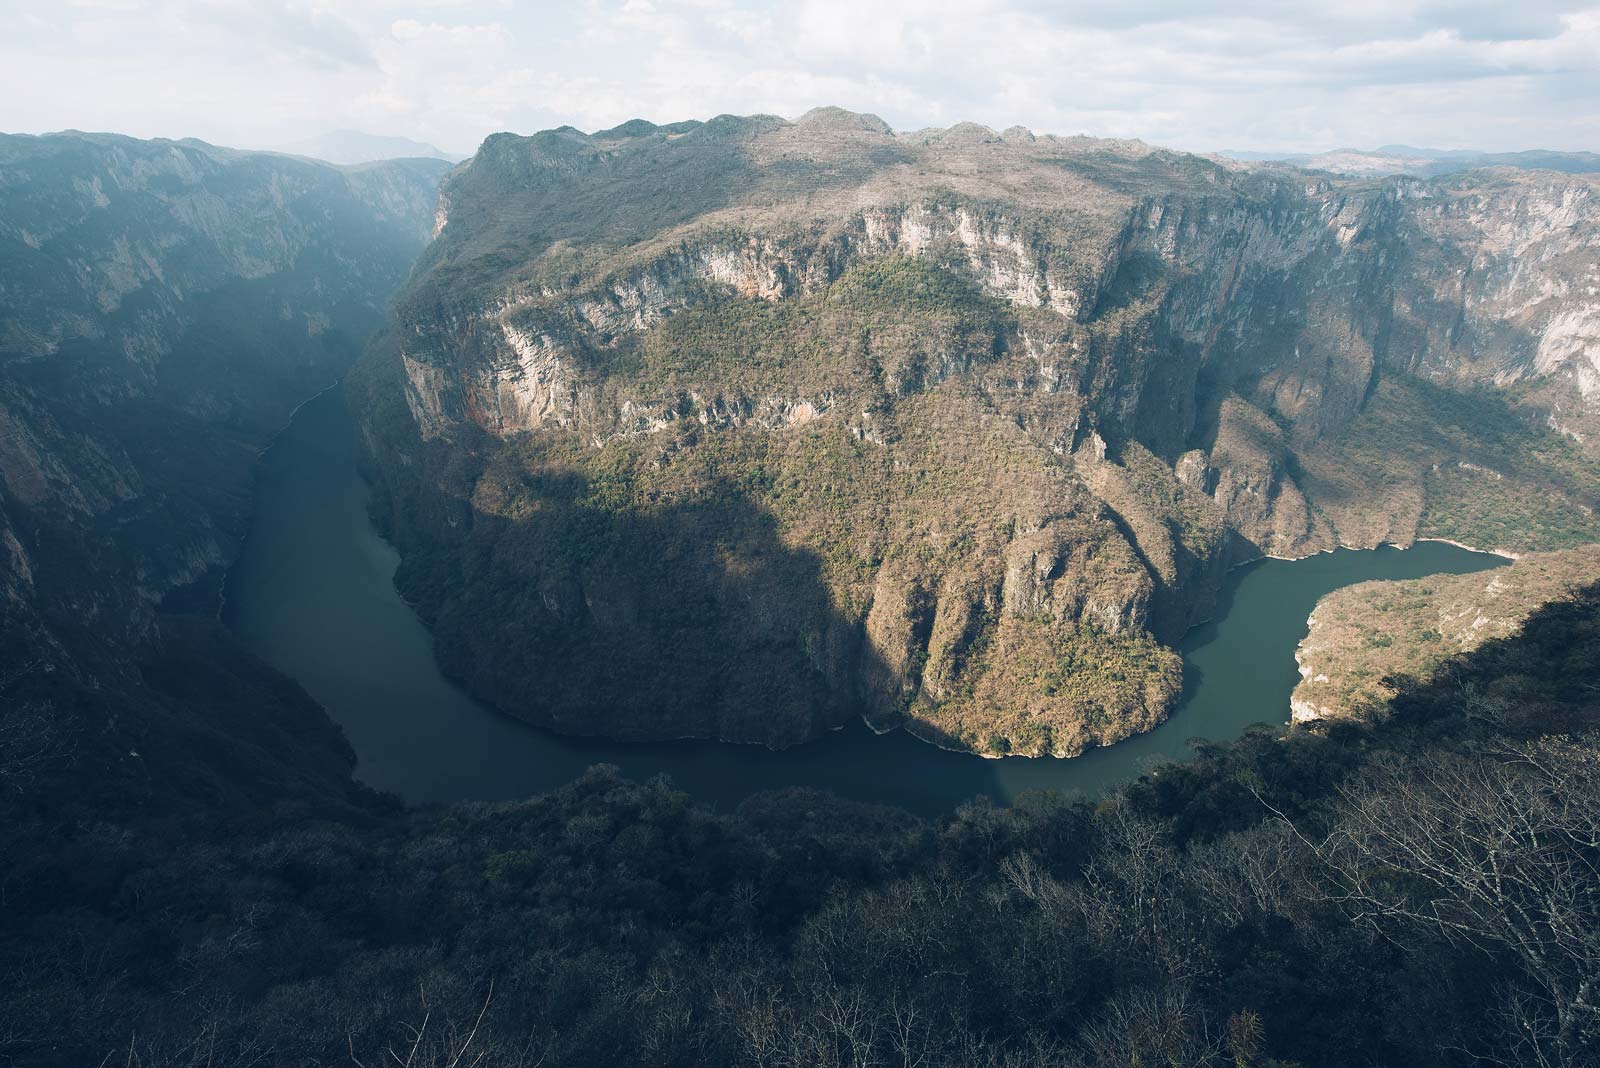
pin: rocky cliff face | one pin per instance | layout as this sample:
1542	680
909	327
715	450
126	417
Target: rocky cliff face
163	307
1517	259
957	427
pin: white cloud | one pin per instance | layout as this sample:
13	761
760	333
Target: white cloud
1202	74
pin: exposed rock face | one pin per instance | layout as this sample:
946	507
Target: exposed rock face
1367	639
163	307
962	426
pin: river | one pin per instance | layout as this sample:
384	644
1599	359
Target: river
312	594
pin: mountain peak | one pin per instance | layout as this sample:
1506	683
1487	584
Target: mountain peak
837	118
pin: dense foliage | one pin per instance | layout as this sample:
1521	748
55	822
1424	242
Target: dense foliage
1426	892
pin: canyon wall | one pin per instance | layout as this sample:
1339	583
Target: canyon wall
163	308
738	429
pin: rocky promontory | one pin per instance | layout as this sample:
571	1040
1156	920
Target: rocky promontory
1366	641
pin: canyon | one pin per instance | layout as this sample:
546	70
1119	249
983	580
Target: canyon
164	308
745	429
740	429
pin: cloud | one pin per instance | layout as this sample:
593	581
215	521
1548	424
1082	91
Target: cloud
292	32
1203	74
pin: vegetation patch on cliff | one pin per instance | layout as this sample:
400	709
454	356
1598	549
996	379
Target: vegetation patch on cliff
1036	688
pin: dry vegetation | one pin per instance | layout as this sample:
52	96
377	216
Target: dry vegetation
1368	640
1424	461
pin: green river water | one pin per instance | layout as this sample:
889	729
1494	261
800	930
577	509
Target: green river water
313	595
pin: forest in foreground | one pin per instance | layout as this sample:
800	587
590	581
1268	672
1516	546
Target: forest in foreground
1426	891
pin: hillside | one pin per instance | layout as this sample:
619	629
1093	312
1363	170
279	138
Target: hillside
1277	901
736	429
1367	640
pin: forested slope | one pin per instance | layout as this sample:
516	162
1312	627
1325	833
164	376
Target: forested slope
1421	893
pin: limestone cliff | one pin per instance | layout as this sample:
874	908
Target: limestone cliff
956	427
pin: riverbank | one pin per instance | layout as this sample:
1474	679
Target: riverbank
1361	636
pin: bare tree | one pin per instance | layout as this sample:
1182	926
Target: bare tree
1131	895
207	1048
910	1027
439	1039
752	1009
1149	1027
1263	871
30	741
1498	851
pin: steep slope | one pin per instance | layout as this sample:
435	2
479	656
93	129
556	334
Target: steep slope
736	428
163	307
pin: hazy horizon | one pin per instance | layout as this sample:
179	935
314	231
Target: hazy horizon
1218	75
307	145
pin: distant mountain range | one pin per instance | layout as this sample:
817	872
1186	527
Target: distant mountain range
1426	162
354	146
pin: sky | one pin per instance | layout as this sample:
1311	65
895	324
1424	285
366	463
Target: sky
1204	75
